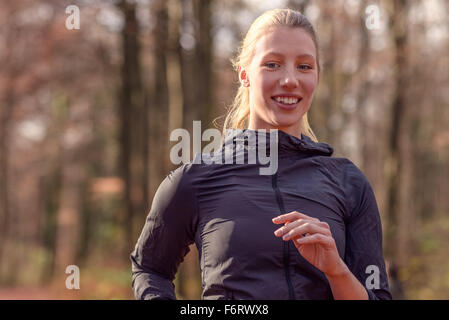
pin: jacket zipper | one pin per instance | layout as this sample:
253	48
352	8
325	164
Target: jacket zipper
286	253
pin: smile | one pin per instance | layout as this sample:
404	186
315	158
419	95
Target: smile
286	100
287	103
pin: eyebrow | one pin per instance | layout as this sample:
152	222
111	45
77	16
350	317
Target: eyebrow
304	55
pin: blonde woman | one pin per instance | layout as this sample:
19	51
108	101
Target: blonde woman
309	230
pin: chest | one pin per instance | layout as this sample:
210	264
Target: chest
236	210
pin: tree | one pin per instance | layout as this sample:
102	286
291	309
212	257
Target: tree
399	211
133	114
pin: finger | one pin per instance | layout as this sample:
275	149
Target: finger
324	225
289	226
294	215
307	227
289	217
315	239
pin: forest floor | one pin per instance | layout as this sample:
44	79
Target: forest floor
27	293
96	283
51	293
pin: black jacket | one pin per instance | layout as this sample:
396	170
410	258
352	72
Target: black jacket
227	210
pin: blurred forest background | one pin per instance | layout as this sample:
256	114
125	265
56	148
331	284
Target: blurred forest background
85	117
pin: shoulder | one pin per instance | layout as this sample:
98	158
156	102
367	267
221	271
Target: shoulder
347	172
175	201
359	192
177	183
354	177
355	185
350	173
185	172
184	179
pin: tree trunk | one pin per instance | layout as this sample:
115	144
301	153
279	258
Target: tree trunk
51	182
174	76
68	215
399	211
5	117
204	57
133	115
368	132
188	66
159	113
196	63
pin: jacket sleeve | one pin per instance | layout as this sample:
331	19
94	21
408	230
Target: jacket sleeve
363	253
168	231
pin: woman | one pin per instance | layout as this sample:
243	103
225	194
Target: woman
310	230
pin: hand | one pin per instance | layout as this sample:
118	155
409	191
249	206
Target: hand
314	241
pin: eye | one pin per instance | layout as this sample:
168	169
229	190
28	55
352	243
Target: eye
305	67
271	65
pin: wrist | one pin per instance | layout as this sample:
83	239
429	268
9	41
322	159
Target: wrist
344	284
340	271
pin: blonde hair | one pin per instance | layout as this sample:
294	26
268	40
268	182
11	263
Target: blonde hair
238	114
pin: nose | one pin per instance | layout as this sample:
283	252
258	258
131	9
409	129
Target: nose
289	80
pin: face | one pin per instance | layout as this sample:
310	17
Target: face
281	78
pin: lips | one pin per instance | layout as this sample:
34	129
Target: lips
287	101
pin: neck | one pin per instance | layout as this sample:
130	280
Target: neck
294	130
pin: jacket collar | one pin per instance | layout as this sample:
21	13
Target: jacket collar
286	142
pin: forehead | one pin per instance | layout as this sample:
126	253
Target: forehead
288	41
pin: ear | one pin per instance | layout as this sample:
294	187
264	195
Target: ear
243	77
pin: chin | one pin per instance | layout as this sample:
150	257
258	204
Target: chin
286	121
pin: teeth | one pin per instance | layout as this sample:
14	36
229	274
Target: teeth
286	100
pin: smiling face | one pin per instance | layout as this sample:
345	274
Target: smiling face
281	78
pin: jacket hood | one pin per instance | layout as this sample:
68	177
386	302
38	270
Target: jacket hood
287	144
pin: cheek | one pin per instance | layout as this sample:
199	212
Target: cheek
267	82
309	85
